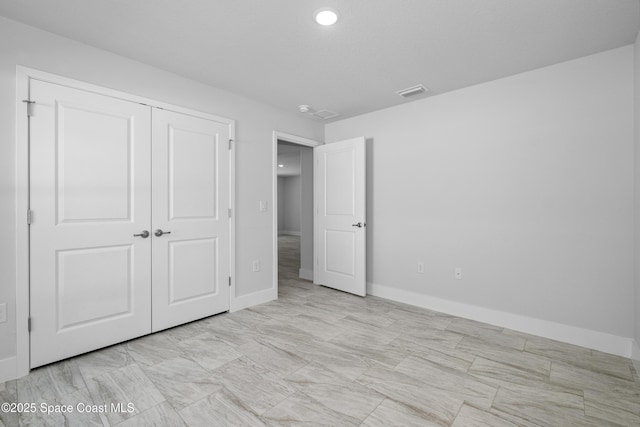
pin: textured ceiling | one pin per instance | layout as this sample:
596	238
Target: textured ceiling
274	52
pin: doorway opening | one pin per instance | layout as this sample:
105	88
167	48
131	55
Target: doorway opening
293	210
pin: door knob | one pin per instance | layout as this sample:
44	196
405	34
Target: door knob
159	232
144	234
359	225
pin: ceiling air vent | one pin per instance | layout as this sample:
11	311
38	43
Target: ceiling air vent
326	114
412	91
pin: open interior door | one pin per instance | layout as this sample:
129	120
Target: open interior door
340	217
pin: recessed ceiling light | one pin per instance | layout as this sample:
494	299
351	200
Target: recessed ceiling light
280	166
326	16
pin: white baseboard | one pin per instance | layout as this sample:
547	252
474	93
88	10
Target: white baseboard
289	233
305	274
249	300
635	357
601	341
8	369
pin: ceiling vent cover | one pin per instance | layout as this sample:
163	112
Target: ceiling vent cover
412	91
326	114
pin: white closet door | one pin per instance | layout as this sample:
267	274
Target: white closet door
190	208
90	193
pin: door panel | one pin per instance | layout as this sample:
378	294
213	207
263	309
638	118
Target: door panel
339	252
339	173
97	160
193	166
339	227
193	272
190	200
94	284
90	281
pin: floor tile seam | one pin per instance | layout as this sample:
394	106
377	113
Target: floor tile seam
461	395
471	364
595	370
191	404
460	346
621	382
269	371
86	385
60	399
460	409
423	383
624	410
528	372
559	358
340	413
606	403
119	388
279	402
440	368
374	409
418	410
55	396
230	408
210	371
507	415
115	368
155	386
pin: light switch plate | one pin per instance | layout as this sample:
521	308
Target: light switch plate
3	313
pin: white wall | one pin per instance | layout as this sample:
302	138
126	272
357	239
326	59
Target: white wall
526	183
26	46
636	75
290	197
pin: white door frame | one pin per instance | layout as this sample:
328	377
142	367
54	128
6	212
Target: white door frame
23	76
274	190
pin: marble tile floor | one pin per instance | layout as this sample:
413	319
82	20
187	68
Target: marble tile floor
321	357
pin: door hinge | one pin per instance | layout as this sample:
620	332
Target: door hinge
30	105
230	212
29	216
230	143
29	324
229	280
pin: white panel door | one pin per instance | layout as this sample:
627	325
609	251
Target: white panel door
90	194
190	218
340	216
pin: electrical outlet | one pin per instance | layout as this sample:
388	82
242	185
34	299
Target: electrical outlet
3	313
421	267
256	266
458	273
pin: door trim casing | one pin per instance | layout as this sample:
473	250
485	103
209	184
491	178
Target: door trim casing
23	76
277	135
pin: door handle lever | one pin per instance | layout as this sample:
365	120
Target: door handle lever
144	234
159	232
359	225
